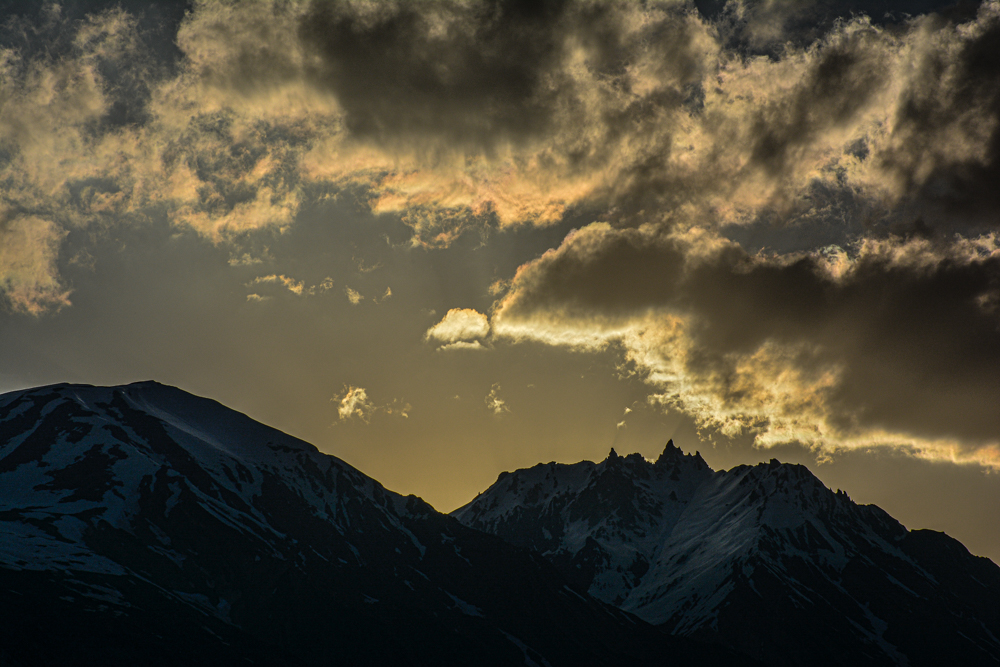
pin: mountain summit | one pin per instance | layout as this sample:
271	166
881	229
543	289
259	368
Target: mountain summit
144	525
764	559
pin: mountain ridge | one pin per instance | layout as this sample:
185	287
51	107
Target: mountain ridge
757	558
158	527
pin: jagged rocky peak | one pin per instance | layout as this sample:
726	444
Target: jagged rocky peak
632	464
672	459
670	453
763	558
673	455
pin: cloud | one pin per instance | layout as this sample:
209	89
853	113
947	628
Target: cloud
398	407
460	328
293	286
638	110
246	259
354	402
363	268
296	287
647	113
462	345
353	296
494	403
29	247
767	27
858	154
893	341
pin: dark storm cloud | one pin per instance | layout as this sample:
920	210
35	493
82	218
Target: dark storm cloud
918	350
954	98
485	73
524	109
767	27
905	336
465	72
518	112
615	274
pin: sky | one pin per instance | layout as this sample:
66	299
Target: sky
442	240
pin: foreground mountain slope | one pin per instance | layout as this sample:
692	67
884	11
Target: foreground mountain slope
763	559
141	524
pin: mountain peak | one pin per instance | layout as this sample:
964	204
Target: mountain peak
672	454
697	553
777	469
174	527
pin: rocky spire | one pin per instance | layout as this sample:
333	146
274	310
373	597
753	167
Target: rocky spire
671	453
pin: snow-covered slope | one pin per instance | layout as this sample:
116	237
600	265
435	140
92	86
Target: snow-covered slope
603	523
144	525
764	559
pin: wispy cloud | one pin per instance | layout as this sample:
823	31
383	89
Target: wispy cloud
354	402
296	287
494	403
353	296
293	286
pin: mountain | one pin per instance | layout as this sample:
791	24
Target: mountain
144	525
762	559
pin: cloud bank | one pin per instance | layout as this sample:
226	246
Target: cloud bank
895	341
466	113
794	204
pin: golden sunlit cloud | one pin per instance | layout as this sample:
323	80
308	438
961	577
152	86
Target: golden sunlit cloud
460	328
353	296
354	402
293	286
28	276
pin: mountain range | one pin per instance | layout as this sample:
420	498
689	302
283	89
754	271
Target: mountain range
140	524
143	525
762	559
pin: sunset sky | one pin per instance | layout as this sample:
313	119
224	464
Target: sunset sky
440	240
